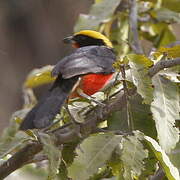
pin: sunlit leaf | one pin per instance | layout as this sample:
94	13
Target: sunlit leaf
99	12
165	109
92	154
53	153
133	154
38	77
167	15
139	68
169	169
170	52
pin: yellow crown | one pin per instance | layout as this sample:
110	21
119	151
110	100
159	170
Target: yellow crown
96	35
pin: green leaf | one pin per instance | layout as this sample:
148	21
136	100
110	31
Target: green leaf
63	174
160	34
139	67
92	154
133	154
99	12
165	109
38	77
150	164
174	156
170	52
141	116
53	153
167	15
164	36
120	36
173	5
170	171
12	139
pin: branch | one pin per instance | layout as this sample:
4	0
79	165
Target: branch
64	135
68	134
133	28
163	64
20	158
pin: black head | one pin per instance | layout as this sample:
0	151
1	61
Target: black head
88	38
84	40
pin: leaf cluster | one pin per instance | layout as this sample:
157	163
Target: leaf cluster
135	141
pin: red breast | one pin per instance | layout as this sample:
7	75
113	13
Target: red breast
92	83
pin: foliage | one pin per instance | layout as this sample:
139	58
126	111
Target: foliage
117	153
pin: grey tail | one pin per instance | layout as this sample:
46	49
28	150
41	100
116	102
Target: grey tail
49	106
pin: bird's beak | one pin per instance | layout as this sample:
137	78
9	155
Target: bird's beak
68	40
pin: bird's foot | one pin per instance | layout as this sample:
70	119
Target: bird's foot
81	93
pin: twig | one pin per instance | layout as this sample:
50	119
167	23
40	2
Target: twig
68	134
133	28
163	64
65	135
126	93
159	175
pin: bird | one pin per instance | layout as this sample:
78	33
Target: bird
88	68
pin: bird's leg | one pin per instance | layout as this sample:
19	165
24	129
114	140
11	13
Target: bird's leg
81	93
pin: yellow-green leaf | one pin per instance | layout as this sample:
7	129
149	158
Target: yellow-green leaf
38	77
140	60
171	52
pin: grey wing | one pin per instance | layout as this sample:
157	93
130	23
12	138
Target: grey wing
85	60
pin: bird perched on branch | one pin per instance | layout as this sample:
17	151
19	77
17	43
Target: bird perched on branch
89	69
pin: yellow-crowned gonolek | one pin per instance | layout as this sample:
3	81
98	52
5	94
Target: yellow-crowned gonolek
89	68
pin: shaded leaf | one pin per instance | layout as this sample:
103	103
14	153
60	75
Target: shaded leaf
160	34
170	171
53	153
38	77
119	36
133	154
139	68
11	140
92	154
174	156
172	5
99	12
63	174
165	109
140	114
150	164
164	35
